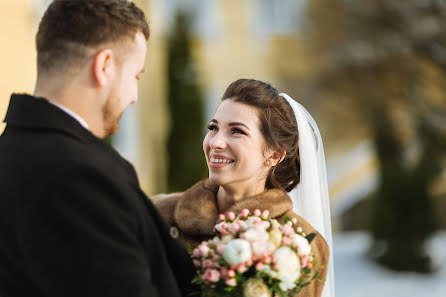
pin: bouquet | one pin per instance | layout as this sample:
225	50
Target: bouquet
253	255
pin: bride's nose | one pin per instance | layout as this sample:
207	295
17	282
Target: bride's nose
218	141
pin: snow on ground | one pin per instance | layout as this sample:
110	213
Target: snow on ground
357	276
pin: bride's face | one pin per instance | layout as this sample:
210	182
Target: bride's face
234	147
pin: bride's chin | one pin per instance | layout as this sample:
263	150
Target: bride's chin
216	180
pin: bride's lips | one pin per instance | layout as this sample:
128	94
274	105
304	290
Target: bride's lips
219	161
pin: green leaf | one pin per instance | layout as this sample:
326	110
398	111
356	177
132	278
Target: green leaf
286	219
310	237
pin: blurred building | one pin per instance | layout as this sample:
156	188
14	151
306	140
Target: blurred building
232	39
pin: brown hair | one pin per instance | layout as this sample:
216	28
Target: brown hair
70	28
277	124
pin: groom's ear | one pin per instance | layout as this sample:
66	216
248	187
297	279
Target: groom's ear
102	67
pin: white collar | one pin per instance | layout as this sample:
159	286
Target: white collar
72	114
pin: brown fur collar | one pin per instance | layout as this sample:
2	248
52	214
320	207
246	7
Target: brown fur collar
197	210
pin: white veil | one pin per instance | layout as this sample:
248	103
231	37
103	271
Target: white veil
310	197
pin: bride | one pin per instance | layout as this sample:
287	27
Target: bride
263	151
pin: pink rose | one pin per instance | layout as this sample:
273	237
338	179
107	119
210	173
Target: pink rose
212	275
220	248
204	249
259	266
234	228
288	230
257	212
287	241
208	263
245	212
196	253
221	217
224	271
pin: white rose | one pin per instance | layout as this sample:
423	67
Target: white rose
243	225
219	226
255	234
237	251
286	286
251	221
260	247
288	265
227	238
304	247
255	288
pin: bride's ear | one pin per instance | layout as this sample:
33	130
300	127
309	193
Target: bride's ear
277	157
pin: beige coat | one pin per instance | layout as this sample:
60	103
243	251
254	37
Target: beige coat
195	213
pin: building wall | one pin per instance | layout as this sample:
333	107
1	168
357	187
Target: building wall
17	53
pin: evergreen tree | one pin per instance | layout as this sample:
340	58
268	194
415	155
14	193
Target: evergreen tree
377	53
186	161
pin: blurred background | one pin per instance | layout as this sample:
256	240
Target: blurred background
371	72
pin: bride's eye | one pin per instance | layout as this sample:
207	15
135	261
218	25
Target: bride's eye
212	127
238	131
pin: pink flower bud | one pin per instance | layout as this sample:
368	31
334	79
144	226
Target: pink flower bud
207	263
259	266
224	225
249	263
245	212
267	260
231	215
223	232
241	268
276	266
231	273
265	214
309	265
257	212
221	217
231	282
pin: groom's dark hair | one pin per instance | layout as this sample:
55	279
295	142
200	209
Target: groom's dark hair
71	30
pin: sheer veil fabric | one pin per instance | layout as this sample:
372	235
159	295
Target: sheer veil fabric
310	197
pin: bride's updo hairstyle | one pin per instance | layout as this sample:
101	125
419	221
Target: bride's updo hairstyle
277	124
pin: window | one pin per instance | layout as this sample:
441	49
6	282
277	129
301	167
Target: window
276	17
204	15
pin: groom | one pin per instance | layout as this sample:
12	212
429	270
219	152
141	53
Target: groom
73	219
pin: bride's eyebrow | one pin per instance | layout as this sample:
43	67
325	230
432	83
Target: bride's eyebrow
238	124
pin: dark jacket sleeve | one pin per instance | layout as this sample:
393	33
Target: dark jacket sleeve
81	239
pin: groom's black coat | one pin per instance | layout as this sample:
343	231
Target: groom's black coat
73	219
